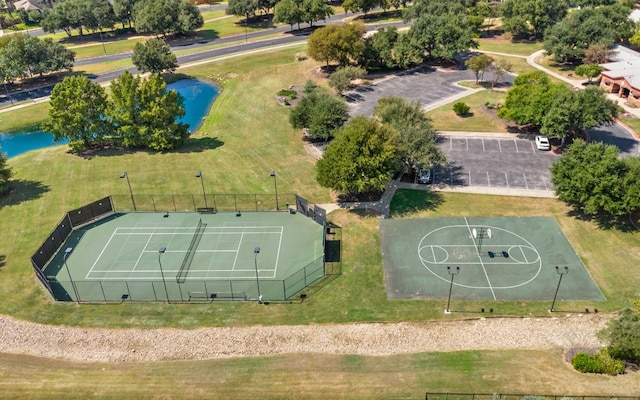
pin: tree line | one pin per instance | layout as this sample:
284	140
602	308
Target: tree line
24	56
159	17
139	113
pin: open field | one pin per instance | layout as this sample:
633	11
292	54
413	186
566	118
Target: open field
309	376
509	47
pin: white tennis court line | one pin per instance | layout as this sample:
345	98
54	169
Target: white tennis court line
235	260
141	253
100	255
493	293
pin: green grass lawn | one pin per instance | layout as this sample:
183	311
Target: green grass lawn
509	47
309	376
444	119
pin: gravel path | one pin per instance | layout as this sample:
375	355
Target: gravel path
139	345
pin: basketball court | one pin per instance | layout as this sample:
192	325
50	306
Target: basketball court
482	259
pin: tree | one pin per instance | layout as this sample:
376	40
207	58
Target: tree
288	12
76	112
5	174
122	10
24	56
363	6
571	112
499	68
479	65
79	14
529	98
569	38
362	158
443	35
531	16
341	79
589	70
589	178
144	114
597	54
320	113
154	56
242	8
623	336
341	43
166	17
416	143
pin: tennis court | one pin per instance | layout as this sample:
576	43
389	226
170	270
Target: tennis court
190	256
485	258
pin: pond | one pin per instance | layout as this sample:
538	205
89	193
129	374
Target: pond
198	97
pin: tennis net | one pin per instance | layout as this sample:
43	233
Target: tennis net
188	258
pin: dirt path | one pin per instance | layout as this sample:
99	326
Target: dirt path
139	345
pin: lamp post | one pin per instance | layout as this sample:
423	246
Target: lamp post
275	186
125	175
246	22
164	282
452	272
204	194
75	290
104	49
256	251
562	272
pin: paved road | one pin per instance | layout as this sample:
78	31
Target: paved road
618	136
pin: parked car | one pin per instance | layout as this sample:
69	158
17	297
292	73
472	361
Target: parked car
424	175
542	143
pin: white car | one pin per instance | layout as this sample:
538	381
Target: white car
542	143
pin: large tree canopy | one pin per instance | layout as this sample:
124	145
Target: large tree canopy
341	43
529	98
573	111
362	158
76	112
166	17
416	143
80	15
569	39
154	56
591	178
520	17
24	56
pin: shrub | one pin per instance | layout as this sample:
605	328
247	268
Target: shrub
599	363
292	94
309	87
301	56
461	108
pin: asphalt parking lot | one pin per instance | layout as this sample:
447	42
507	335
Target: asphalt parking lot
503	161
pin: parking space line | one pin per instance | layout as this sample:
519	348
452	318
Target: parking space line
488	179
450	143
515	142
469	178
499	146
525	180
483	149
506	178
466	140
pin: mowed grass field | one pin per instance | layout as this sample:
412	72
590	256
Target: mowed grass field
245	137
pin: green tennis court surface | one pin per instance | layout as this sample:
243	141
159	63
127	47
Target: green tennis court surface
516	263
191	256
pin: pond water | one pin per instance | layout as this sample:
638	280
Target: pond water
198	97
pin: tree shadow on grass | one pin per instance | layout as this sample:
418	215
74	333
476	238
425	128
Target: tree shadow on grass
192	145
604	221
2	261
21	191
409	201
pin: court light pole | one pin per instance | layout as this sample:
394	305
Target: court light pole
256	251
452	272
204	194
164	282
562	272
125	175
275	186
64	258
